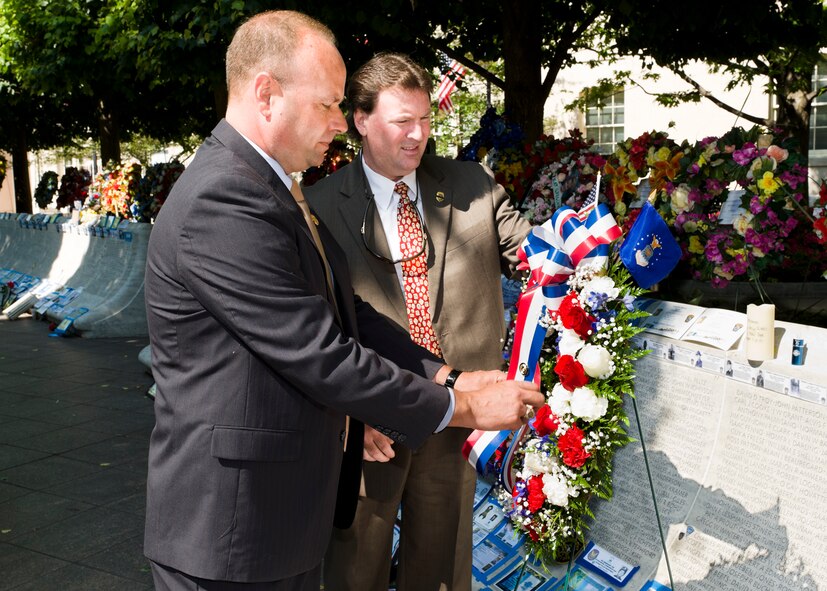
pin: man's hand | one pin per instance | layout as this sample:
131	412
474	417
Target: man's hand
378	447
476	380
505	405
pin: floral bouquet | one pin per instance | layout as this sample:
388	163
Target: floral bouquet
499	143
586	368
652	155
46	189
153	189
568	169
774	234
112	192
7	295
74	187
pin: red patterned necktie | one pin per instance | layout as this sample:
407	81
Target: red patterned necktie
415	273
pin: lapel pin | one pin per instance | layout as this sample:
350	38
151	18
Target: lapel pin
440	197
314	218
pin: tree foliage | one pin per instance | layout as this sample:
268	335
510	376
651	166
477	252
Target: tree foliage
778	40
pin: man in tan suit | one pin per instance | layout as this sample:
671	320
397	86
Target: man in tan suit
427	239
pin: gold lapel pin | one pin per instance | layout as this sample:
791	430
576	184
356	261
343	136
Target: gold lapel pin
314	218
440	197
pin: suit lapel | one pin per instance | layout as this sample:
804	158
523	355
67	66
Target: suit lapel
227	135
352	208
436	204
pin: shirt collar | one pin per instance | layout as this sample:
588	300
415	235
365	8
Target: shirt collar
285	178
383	187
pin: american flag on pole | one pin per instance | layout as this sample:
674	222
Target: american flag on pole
447	84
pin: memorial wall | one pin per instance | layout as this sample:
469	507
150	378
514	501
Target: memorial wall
736	450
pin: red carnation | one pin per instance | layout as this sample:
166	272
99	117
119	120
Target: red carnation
570	445
822	194
545	422
820	227
571	373
536	496
574	317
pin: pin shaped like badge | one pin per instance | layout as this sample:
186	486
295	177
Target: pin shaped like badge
440	197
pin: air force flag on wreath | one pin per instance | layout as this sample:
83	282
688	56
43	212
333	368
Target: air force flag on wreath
649	251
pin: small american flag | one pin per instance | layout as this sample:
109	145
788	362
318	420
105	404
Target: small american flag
590	202
447	84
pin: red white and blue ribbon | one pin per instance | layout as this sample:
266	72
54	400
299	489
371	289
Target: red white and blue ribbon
551	252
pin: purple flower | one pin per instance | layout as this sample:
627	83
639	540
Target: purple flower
745	155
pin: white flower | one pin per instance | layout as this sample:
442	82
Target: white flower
570	342
600	285
560	400
596	361
588	405
680	199
556	490
538	463
742	222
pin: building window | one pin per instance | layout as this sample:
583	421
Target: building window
818	112
604	122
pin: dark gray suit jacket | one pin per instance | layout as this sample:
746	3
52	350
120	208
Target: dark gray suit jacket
254	375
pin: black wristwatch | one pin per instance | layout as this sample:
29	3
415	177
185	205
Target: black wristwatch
452	378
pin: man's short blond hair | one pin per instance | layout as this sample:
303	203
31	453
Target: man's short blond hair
267	42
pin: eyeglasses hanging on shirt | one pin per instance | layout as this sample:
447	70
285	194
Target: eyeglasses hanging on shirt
369	225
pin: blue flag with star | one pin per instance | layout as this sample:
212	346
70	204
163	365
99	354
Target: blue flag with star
650	252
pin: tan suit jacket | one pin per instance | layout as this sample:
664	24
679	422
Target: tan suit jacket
473	234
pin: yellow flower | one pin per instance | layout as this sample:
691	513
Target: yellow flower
695	245
768	183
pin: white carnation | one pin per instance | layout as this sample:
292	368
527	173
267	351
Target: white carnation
588	405
556	490
560	400
538	462
600	285
596	361
570	342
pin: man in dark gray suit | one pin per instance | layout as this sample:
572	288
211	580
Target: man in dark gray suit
253	328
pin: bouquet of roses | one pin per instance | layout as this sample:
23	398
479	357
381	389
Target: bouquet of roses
565	457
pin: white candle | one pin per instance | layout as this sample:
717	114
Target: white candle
760	332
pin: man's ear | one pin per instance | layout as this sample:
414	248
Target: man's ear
360	121
265	89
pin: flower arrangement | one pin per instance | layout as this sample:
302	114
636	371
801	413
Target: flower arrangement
500	144
112	192
587	368
692	184
7	295
46	189
567	171
153	189
74	187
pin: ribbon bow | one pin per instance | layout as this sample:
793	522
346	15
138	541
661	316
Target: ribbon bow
551	253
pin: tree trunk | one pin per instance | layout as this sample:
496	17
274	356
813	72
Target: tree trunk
522	44
109	134
20	172
794	117
794	106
